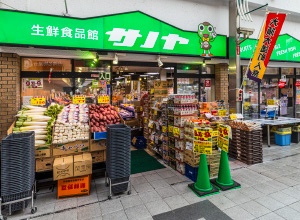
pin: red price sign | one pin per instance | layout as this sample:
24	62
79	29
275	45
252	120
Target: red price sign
297	84
281	84
207	83
203	134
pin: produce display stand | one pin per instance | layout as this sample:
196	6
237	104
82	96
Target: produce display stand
275	122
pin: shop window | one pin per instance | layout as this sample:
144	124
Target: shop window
91	66
188	68
297	71
207	90
45	64
272	71
208	69
269	90
286	100
188	86
287	71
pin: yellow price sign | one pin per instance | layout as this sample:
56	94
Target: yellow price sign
222	112
224	131
77	99
246	104
233	117
176	132
103	99
145	120
141	108
152	91
215	133
270	102
155	112
203	147
37	101
164	129
203	134
170	128
223	144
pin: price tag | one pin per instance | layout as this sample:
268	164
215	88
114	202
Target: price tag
164	129
78	99
141	108
152	91
246	104
129	97
223	144
170	128
155	112
203	147
203	134
270	102
103	99
145	120
224	131
233	117
215	133
37	101
176	132
222	112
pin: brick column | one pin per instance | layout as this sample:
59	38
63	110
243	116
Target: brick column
221	81
9	90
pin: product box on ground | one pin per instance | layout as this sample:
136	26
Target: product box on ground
96	145
99	156
63	168
44	164
71	148
132	123
73	187
42	153
83	164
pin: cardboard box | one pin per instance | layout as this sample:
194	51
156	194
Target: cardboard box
44	164
42	153
73	187
99	156
71	148
63	168
10	129
160	92
132	122
83	164
96	145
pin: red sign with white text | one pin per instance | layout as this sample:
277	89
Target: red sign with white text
281	84
207	83
297	84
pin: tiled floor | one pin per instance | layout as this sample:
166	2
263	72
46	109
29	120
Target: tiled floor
270	190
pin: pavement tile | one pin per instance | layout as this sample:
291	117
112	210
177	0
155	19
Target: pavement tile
181	187
174	179
238	213
166	192
157	207
255	208
222	202
251	192
270	203
45	217
283	198
271	216
288	213
70	214
89	211
237	197
110	206
296	206
292	191
159	184
144	187
119	215
152	177
137	213
166	174
138	180
65	204
130	201
176	202
149	196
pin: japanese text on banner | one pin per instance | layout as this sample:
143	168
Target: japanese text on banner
77	99
203	147
203	134
265	46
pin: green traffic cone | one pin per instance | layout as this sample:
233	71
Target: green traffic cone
224	181
203	187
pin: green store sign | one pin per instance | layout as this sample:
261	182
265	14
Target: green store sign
132	31
287	48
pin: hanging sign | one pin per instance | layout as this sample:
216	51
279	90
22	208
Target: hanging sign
281	83
95	83
297	84
38	101
34	83
203	134
103	99
78	99
203	147
102	83
207	84
266	43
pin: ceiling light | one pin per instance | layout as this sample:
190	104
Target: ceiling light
121	70
118	72
116	60
126	68
95	60
131	73
159	63
144	75
127	75
203	64
152	73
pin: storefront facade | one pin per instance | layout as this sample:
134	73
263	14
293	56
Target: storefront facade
137	31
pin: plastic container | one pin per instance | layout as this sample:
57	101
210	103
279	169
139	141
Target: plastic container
100	135
288	129
295	137
191	172
282	139
140	142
